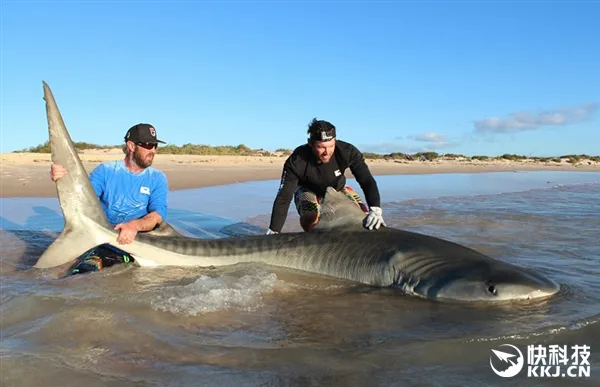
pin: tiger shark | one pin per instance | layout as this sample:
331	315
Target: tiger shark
417	264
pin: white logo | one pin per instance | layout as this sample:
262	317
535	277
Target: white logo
153	131
337	172
325	137
544	362
145	190
281	182
516	365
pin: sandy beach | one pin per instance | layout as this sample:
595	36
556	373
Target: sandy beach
27	174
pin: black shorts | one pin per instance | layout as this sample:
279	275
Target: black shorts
307	202
100	257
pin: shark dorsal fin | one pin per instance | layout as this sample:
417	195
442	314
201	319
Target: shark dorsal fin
339	212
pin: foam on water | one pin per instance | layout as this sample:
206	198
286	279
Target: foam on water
550	332
209	294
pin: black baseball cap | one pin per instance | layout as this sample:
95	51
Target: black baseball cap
142	133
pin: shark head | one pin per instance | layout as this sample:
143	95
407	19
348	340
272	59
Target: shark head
338	212
498	282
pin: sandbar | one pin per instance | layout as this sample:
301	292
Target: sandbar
27	174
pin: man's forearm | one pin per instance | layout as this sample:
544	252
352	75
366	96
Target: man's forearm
279	212
371	193
148	222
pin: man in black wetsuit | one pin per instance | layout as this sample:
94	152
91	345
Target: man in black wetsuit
319	164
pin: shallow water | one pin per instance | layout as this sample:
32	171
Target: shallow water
258	325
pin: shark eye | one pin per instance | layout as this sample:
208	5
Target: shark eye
492	289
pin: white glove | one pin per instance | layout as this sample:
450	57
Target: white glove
269	232
374	219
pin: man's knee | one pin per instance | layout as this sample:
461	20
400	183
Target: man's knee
309	220
306	201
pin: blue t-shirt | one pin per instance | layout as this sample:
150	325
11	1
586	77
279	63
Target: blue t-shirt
125	195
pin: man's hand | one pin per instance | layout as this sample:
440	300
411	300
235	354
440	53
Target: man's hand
374	219
130	229
57	171
127	232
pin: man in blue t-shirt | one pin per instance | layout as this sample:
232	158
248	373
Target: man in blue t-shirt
133	195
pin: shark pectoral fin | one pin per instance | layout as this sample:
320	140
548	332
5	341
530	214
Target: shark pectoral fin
69	245
165	229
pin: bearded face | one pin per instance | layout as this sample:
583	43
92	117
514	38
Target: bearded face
143	156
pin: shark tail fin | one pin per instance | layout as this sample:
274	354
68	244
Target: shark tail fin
85	220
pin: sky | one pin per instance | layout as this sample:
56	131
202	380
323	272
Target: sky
466	77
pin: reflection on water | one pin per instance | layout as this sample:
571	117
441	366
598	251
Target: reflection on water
258	325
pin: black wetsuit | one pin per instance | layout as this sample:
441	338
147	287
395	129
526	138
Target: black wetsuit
302	169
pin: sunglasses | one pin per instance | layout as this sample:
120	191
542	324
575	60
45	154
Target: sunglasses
147	145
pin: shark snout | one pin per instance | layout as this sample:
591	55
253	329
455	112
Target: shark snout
529	287
522	284
496	286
